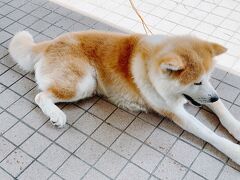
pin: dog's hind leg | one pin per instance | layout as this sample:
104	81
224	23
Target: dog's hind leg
62	87
189	123
226	118
46	100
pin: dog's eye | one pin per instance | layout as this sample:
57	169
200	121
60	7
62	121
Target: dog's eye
198	84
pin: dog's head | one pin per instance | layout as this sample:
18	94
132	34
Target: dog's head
183	66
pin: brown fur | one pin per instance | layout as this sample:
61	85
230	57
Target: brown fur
68	57
110	54
194	56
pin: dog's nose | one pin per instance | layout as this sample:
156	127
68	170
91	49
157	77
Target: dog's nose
214	98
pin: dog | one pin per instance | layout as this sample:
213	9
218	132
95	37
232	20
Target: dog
135	71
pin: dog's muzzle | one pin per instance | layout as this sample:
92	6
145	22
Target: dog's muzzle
195	103
211	100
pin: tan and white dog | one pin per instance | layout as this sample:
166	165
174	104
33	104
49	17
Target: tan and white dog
135	71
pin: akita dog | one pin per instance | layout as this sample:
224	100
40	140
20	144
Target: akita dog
134	71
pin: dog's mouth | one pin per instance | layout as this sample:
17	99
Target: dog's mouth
195	103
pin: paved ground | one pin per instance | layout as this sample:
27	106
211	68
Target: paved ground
100	141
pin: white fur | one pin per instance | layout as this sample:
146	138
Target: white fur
226	118
42	80
86	88
203	93
194	126
144	85
166	98
46	103
20	48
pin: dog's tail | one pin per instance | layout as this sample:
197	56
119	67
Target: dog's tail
23	50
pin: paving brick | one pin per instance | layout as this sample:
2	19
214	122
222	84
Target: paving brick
111	164
4	175
191	175
5	21
35	171
169	126
94	174
90	151
40	26
120	119
28	7
18	133
72	112
106	134
35	145
167	167
147	158
151	118
28	20
16	3
53	157
15	27
73	168
183	153
140	129
52	132
5	148
16	15
16	162
6	121
229	173
87	123
4	36
133	172
23	86
126	146
161	140
102	109
21	108
40	12
227	92
205	162
7	98
71	139
6	9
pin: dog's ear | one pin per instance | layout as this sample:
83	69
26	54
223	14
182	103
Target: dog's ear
171	62
217	49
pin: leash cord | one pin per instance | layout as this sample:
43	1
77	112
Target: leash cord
145	27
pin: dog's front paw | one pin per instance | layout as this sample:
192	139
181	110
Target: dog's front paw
58	119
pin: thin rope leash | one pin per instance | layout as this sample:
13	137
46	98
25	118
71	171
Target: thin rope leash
145	26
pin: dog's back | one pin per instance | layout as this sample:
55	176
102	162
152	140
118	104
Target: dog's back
61	64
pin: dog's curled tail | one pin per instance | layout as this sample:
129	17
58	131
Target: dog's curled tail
21	48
